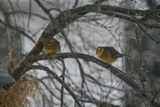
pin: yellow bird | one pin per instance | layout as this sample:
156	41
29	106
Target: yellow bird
51	46
108	54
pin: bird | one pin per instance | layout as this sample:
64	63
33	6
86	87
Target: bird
51	46
108	54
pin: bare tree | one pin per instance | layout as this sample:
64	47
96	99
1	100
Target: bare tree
76	77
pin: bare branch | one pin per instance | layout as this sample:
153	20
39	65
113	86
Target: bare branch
21	69
58	79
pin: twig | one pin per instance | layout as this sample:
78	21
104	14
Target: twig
30	60
58	79
63	79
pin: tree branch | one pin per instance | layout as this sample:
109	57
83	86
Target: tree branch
21	69
58	79
69	16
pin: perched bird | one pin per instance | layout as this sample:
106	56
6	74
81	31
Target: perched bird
51	46
108	54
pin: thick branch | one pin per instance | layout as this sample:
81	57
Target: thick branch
69	16
21	69
50	31
62	20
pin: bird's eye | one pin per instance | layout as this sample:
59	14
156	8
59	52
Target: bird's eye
100	49
52	41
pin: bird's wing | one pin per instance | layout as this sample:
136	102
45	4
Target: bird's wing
114	52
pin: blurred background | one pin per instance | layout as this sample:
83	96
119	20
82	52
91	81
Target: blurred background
22	22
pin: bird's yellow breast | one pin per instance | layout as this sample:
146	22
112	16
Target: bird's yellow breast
51	46
50	50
